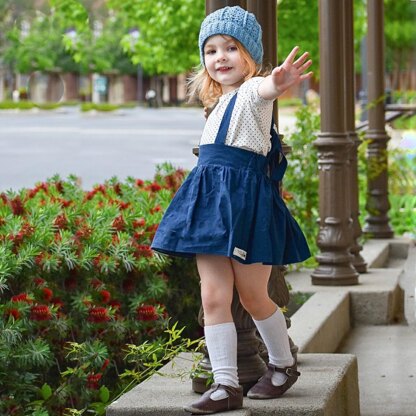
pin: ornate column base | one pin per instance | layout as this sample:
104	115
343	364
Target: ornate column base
331	272
380	230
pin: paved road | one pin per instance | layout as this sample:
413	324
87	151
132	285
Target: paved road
35	146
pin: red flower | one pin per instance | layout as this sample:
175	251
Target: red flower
105	364
21	297
39	281
154	187
47	294
138	235
96	283
83	232
61	221
105	296
39	259
12	312
64	202
93	380
59	187
146	313
115	304
40	313
140	222
117	189
123	205
157	208
118	223
139	183
57	302
143	250
98	314
17	206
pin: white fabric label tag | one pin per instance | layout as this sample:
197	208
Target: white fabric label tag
240	253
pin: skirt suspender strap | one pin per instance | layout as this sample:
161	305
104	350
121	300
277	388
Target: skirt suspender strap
225	122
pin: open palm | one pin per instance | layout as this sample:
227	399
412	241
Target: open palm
291	72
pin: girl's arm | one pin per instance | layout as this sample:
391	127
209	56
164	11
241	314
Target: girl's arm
285	75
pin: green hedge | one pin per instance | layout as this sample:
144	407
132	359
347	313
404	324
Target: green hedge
84	303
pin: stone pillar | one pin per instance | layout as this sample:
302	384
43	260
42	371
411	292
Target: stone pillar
71	84
377	206
129	88
2	79
358	261
333	143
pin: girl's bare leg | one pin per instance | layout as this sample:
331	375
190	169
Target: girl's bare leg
217	284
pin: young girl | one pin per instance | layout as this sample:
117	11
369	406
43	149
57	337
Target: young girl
228	212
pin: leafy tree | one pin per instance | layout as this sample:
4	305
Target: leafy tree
298	24
39	46
168	33
400	32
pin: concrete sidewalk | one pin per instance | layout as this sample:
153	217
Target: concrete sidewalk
386	356
386	368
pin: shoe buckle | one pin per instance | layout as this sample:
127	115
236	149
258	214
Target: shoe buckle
291	372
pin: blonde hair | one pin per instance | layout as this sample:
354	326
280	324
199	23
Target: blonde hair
202	86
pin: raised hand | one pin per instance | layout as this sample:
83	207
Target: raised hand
290	73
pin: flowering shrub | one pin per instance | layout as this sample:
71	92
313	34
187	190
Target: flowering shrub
80	288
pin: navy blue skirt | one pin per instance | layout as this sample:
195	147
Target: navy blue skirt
229	206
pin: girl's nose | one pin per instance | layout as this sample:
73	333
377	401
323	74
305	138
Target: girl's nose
221	56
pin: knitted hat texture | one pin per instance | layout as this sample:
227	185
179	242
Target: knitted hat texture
236	22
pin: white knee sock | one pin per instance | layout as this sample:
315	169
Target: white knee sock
221	341
273	331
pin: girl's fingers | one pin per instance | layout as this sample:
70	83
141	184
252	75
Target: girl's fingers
301	60
305	66
290	58
306	76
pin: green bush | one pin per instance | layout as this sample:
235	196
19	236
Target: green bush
98	107
84	303
21	105
300	184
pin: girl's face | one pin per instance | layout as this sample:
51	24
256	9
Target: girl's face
223	62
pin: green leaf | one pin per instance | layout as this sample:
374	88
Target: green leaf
104	394
46	391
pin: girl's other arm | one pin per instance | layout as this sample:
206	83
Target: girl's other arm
291	72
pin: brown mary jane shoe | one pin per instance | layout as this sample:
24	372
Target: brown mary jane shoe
206	406
264	388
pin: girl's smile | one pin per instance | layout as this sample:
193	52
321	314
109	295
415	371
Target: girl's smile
223	62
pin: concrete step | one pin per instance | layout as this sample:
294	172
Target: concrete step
376	300
328	386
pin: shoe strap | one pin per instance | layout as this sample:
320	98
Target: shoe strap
230	390
289	371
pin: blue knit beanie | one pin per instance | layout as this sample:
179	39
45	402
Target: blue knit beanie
235	22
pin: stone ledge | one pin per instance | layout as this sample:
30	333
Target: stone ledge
328	386
376	300
322	322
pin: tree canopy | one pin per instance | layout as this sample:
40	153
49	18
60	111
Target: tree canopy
162	36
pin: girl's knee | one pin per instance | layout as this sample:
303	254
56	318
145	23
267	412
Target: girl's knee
256	305
213	300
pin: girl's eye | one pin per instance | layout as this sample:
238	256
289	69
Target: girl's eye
232	48
210	52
